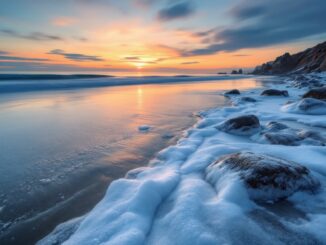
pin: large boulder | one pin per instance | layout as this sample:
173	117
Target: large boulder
317	93
275	92
242	125
266	178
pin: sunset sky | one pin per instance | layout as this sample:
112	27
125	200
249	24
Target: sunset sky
154	35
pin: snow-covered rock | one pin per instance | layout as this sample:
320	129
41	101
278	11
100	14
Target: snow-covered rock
242	125
306	106
267	178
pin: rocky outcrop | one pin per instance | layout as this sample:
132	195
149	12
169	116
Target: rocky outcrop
310	60
237	72
318	93
275	92
232	92
276	133
309	106
267	178
247	99
243	125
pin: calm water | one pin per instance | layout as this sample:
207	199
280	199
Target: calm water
59	150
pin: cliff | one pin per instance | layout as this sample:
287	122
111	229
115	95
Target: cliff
310	60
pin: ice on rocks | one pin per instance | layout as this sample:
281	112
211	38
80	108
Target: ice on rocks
188	196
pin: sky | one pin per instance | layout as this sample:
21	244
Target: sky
173	36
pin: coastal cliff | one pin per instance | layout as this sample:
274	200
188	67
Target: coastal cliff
309	60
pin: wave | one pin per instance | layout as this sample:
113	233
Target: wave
25	83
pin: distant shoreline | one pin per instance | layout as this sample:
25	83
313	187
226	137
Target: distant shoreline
92	81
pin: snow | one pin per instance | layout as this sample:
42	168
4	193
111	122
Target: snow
306	106
174	201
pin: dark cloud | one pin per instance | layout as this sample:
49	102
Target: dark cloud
131	58
40	66
190	63
241	55
82	39
265	23
75	57
179	10
35	36
15	58
3	52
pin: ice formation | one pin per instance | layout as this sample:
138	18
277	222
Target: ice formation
188	196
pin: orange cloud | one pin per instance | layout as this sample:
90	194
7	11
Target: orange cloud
64	21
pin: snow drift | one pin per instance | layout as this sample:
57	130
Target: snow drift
187	196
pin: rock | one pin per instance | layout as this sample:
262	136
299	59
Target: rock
266	178
280	134
308	106
243	125
275	92
248	99
144	128
313	137
232	92
282	138
272	126
317	93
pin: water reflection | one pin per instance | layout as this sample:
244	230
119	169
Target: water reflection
64	136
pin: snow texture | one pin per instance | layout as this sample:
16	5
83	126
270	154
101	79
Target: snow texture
188	195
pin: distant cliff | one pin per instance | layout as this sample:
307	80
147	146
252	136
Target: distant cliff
310	60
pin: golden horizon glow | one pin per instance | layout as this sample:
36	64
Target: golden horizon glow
102	37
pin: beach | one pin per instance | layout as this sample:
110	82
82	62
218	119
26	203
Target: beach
275	194
80	139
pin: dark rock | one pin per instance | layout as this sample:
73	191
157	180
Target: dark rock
232	92
272	126
312	135
243	125
275	92
317	93
310	60
267	178
237	72
248	99
280	134
308	104
282	138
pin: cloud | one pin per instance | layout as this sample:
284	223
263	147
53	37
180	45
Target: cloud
3	52
64	21
35	36
132	58
190	63
15	58
179	10
266	23
38	36
75	57
241	55
81	39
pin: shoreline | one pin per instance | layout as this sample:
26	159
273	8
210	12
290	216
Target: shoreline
181	166
20	86
67	207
